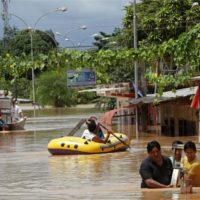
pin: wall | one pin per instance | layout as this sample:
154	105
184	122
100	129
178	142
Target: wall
178	119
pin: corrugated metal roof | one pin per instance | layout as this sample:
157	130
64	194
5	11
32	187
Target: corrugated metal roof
100	90
196	78
167	96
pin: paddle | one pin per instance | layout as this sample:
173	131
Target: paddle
114	135
78	125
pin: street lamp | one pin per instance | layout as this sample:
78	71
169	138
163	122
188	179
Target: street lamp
61	9
87	38
66	37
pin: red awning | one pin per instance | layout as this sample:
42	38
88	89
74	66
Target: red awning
195	100
107	117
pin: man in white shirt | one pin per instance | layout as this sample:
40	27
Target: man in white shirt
91	132
16	111
177	153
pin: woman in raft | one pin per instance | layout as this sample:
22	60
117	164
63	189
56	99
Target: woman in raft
91	133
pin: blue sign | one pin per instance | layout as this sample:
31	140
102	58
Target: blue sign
82	78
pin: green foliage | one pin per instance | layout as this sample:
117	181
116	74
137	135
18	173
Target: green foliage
86	97
21	88
18	42
168	52
52	90
168	35
167	81
102	40
105	103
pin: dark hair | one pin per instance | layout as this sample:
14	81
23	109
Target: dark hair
91	124
14	101
175	143
190	145
152	144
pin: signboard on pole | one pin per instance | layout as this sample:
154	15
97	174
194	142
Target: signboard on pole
82	78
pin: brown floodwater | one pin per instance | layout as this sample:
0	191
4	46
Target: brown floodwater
29	172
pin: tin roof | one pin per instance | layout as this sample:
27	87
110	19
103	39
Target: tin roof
167	96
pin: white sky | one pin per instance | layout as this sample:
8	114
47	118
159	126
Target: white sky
98	15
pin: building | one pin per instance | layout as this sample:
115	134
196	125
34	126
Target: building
170	114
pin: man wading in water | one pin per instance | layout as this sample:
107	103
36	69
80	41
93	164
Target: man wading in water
156	169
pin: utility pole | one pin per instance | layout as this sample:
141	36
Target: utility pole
135	66
5	17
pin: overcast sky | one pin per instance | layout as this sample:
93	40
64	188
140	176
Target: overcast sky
97	15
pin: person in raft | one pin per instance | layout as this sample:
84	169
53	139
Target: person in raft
177	153
156	170
17	113
99	131
91	132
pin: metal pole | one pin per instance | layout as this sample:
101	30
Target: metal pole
67	39
32	69
198	114
32	72
62	9
135	66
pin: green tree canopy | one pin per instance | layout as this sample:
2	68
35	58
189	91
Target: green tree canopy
18	42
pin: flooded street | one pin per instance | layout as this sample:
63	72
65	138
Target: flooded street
29	172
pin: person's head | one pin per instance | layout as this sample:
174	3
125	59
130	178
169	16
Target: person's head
15	102
93	117
176	148
154	151
91	125
190	150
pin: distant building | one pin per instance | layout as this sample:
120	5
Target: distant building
169	115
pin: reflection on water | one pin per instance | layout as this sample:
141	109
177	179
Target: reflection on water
29	172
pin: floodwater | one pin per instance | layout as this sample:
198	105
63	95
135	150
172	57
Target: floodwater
29	172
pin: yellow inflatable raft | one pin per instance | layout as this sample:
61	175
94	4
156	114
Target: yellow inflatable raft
71	145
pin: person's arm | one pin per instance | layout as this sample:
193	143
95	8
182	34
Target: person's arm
21	115
107	137
193	172
99	140
154	184
20	112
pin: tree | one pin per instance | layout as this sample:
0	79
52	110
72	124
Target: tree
161	26
18	42
52	90
101	40
168	35
17	64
